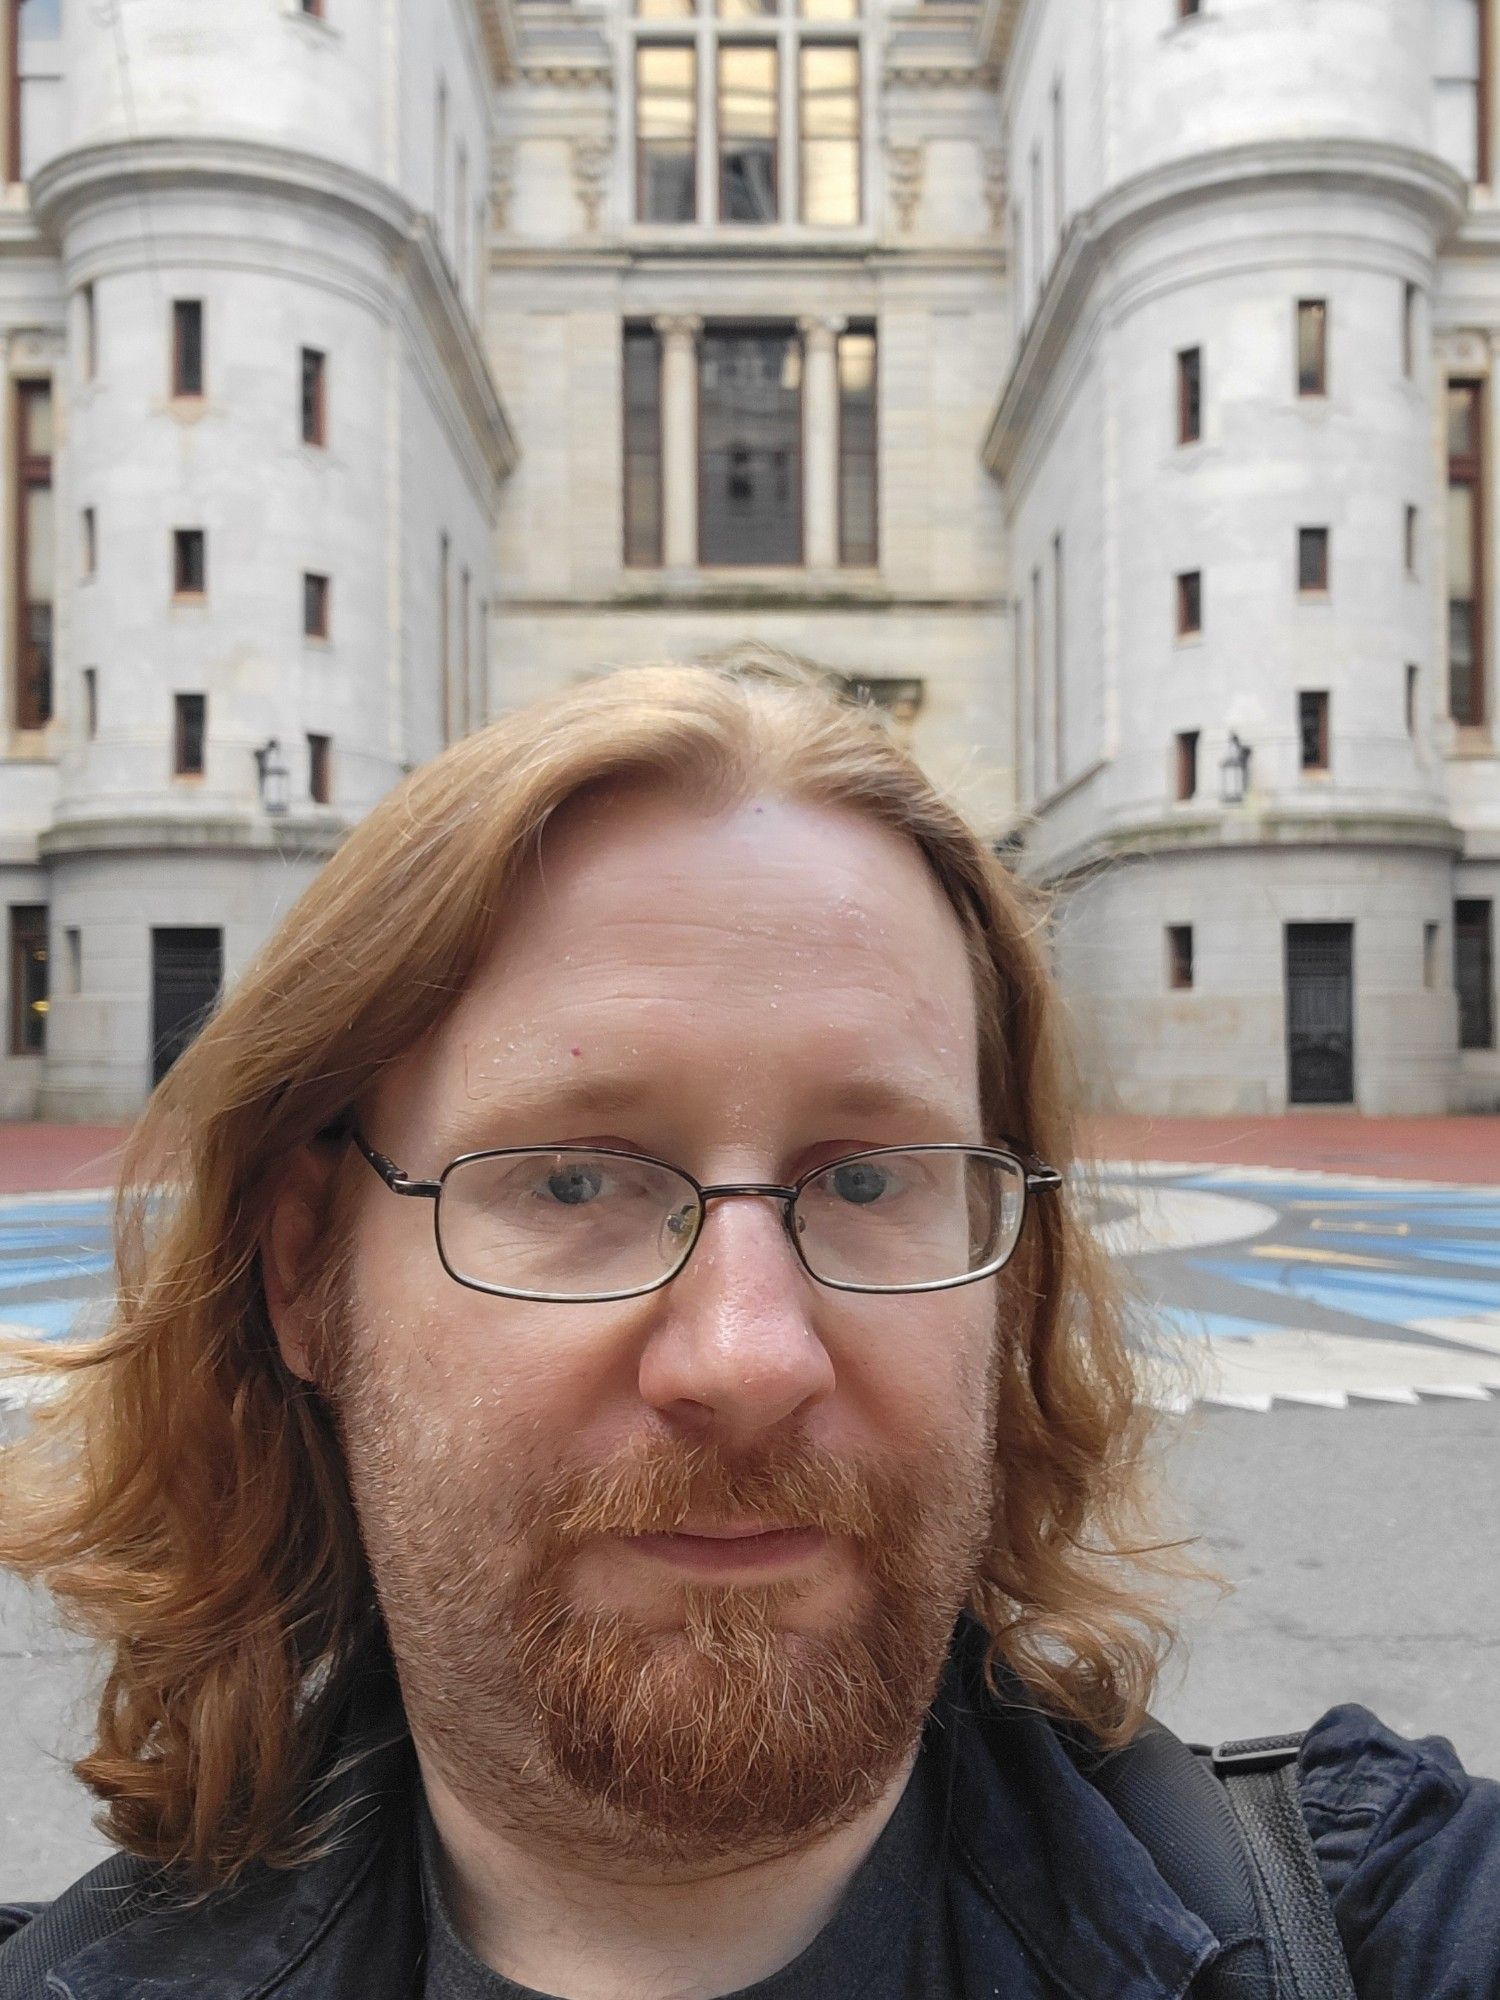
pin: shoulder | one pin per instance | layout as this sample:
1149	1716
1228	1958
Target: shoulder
37	1937
1408	1845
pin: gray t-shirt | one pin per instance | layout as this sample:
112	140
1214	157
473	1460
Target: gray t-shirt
889	1939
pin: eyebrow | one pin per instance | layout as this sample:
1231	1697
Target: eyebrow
860	1094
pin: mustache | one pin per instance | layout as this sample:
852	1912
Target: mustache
658	1484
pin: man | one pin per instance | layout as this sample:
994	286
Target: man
616	1472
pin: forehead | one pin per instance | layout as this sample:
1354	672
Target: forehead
724	949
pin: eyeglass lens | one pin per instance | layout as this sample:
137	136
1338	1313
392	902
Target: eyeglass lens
573	1223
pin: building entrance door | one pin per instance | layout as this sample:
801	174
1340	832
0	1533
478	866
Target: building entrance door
187	970
1320	1013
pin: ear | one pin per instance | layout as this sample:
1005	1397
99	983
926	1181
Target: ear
288	1242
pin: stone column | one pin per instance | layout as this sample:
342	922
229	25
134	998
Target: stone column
679	437
820	440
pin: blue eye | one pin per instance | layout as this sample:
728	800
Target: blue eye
860	1182
575	1186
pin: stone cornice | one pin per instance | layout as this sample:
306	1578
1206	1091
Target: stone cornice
1368	168
104	173
159	833
1235	829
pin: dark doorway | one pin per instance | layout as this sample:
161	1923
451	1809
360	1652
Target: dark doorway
187	970
1474	974
1320	1013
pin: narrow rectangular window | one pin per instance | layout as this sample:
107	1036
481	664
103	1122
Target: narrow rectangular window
73	939
1312	729
750	446
314	396
320	769
1411	700
859	514
1312	561
1466	552
1189	395
643	496
1180	957
828	85
1431	934
28	979
316	605
666	132
91	702
1312	347
1460	82
191	725
189	562
1189	603
33	555
1474	973
187	347
88	333
747	132
1408	330
89	544
1187	764
1409	541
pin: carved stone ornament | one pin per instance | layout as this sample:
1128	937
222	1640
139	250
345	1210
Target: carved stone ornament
995	184
591	162
904	178
502	185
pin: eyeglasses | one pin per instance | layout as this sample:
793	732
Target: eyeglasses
587	1224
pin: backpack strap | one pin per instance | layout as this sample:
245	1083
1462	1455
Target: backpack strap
1259	1777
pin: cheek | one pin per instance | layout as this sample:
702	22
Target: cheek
926	1364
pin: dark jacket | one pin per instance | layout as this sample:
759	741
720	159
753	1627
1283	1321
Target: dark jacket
1050	1897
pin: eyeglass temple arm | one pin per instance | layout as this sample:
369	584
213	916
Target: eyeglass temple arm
391	1174
1043	1178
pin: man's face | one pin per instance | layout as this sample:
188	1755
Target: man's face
675	1575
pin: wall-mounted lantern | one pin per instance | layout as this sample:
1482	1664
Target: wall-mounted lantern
272	777
1234	772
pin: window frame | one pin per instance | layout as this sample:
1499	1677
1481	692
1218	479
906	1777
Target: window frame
319	768
32	472
28	924
187	720
729	45
1189	582
1181	970
316	435
182	311
1187	743
638	47
740	328
182	540
317	605
1321	307
1189	394
858	329
1469	471
1318	538
1481	1008
800	49
1314	705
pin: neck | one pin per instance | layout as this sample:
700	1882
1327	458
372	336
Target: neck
562	1926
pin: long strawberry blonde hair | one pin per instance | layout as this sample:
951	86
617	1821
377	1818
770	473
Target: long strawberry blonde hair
182	1495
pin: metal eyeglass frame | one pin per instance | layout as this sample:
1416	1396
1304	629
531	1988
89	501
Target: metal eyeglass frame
1034	1175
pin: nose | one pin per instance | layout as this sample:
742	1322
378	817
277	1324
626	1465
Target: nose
735	1351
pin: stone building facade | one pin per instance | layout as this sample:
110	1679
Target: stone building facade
1099	386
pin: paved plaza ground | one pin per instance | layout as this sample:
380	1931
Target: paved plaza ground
1318	1302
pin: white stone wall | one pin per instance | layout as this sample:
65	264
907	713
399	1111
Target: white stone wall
282	170
1245	159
